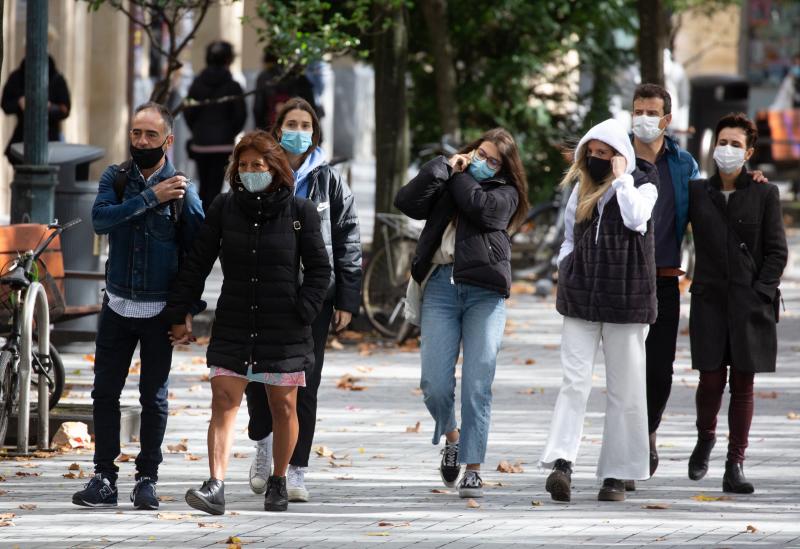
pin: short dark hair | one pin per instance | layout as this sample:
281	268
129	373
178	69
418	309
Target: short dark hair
219	54
646	91
166	116
738	120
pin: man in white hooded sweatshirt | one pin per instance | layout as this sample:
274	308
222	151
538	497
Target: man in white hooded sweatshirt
606	292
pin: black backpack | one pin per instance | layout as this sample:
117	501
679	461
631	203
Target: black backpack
121	180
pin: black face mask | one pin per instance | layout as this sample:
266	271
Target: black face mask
598	168
147	158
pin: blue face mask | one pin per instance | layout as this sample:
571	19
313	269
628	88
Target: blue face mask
255	182
479	170
295	142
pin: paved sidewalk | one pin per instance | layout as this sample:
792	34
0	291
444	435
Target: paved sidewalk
383	492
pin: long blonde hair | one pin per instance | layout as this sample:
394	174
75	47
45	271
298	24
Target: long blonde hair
589	192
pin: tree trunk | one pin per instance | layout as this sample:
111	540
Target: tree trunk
652	40
391	116
435	12
2	5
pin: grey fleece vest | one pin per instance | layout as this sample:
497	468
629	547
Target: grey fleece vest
610	276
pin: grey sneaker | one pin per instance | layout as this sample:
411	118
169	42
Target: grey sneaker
471	485
261	468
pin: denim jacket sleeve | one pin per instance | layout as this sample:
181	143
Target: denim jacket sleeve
192	218
108	211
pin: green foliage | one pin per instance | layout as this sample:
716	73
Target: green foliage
510	70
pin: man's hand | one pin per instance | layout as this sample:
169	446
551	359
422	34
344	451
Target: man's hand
21	103
171	189
181	334
618	165
758	176
459	162
341	319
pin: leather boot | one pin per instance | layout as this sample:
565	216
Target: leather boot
698	461
613	490
277	498
734	480
210	498
653	454
560	480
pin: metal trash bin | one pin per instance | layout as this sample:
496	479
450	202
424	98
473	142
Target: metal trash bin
712	97
74	197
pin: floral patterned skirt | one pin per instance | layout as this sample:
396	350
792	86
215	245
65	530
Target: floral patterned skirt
292	379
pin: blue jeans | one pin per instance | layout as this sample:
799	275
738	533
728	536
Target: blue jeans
116	341
454	315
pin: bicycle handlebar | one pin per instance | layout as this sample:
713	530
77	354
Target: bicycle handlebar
58	229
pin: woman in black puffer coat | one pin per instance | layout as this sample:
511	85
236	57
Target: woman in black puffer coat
262	330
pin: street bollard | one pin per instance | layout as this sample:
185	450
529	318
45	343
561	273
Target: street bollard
35	302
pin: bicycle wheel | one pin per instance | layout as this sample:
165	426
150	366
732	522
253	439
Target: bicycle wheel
533	244
56	373
385	283
7	392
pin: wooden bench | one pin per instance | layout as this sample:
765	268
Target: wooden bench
24	237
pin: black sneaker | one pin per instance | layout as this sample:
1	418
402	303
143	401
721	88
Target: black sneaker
277	498
471	485
99	492
144	495
613	490
210	498
559	482
449	469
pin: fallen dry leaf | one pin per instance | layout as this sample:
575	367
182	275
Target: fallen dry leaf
344	477
365	349
506	467
377	456
74	467
4	523
472	504
523	288
195	388
209	525
323	451
793	415
27	474
439	491
656	506
71	474
192	457
536	503
180	447
378	534
7	516
239	455
198	360
767	394
417	391
124	458
335	344
415	429
28	507
348	383
530	361
89	358
532	391
166	498
750	529
136	367
703	497
3	492
173	516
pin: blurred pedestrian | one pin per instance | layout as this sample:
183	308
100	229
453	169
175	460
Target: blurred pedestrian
214	126
741	252
788	96
607	293
262	331
297	129
463	271
274	87
151	214
58	102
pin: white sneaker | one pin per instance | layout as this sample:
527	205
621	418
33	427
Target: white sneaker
295	483
261	468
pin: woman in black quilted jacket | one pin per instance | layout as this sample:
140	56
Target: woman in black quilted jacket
262	330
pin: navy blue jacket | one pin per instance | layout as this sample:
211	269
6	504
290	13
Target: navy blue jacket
145	244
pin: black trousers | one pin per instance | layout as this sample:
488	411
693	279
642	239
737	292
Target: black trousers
260	418
660	347
211	172
117	337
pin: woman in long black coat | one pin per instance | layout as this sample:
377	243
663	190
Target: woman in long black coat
741	252
262	329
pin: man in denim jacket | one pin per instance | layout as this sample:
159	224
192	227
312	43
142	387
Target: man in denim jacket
149	227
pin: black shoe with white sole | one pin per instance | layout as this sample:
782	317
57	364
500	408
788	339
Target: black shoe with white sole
449	469
99	492
471	485
210	498
144	495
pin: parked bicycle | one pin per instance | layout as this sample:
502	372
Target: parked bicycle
22	273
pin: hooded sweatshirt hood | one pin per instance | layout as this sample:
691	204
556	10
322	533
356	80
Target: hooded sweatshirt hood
312	161
612	133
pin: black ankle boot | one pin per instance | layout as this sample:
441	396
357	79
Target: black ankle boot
559	481
734	480
210	498
277	498
653	454
698	462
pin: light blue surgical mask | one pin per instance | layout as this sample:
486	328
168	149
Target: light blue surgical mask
479	170
795	70
255	182
295	142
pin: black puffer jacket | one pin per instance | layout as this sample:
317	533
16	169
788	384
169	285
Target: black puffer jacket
337	210
484	210
215	124
263	314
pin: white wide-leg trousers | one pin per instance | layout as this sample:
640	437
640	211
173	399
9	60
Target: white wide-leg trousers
625	451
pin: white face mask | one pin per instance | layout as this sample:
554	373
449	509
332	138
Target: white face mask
729	159
646	128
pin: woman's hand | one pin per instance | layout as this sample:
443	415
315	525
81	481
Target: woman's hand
618	165
341	319
459	162
181	334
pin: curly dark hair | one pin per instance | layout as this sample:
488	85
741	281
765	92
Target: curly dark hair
738	120
273	154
